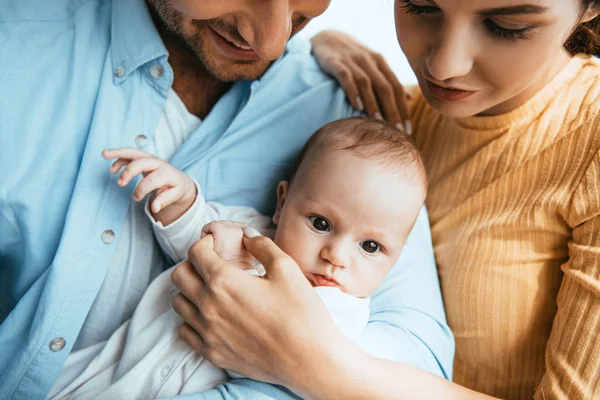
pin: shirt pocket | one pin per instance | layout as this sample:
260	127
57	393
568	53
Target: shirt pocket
246	183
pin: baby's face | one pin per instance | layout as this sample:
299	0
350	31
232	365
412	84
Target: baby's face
345	219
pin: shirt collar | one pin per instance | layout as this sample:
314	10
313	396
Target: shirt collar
135	39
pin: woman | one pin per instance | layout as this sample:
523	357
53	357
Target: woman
508	119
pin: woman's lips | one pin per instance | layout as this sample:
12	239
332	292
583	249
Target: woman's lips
229	49
322	280
449	94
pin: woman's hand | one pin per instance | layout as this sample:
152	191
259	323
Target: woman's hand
274	329
364	75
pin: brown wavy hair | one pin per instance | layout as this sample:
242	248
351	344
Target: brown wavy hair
586	38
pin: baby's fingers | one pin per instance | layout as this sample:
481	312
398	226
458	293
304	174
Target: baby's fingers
128	153
117	165
165	198
136	167
157	180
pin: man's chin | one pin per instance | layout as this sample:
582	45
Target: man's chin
231	71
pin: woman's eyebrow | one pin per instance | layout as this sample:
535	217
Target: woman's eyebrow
514	10
508	10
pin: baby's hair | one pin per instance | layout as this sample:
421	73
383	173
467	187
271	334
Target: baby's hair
368	138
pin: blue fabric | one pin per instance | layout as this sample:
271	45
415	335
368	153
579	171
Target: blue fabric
61	103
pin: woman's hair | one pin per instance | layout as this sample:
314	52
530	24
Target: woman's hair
586	38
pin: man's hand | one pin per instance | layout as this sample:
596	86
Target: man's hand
274	329
228	244
173	192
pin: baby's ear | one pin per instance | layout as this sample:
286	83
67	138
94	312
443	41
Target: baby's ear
282	191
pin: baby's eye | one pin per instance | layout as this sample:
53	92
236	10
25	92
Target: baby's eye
320	223
370	246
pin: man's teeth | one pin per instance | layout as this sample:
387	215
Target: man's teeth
239	46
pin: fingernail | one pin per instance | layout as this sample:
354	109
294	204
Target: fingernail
360	104
400	127
408	127
158	207
250	232
378	116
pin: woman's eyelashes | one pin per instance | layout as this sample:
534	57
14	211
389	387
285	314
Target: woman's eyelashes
493	28
508	34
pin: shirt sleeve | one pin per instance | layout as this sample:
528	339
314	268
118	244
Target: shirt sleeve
176	238
407	322
573	350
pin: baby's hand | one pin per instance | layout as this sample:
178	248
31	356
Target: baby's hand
228	236
173	192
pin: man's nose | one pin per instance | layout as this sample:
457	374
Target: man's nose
337	252
452	55
268	27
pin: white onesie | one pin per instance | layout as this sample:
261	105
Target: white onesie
145	359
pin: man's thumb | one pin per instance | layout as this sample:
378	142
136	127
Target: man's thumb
267	252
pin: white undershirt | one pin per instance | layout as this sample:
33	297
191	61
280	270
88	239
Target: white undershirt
137	259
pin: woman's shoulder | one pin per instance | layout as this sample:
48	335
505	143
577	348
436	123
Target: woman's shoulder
581	101
584	89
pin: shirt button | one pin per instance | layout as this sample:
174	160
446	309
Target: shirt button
108	236
156	71
141	141
119	72
165	371
57	344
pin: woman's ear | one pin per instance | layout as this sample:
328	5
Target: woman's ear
282	192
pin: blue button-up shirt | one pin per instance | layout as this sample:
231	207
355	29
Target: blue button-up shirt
75	79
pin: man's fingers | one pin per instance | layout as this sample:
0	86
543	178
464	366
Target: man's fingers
187	310
207	262
186	279
267	253
192	338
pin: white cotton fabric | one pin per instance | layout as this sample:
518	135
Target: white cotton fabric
145	358
137	259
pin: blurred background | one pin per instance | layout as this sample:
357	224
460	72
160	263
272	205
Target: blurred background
372	23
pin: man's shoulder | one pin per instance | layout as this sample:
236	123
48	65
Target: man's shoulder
297	75
44	10
298	66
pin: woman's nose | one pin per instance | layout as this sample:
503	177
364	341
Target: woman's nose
451	56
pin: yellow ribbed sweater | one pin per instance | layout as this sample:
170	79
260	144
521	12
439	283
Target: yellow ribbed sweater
514	203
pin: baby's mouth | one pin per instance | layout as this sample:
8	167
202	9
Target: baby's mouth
322	280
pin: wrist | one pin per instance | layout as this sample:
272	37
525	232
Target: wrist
331	369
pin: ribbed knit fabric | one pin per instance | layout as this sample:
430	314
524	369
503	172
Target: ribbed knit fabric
514	202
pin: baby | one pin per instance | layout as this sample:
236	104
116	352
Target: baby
344	217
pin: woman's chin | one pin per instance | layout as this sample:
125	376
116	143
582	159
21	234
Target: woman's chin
454	109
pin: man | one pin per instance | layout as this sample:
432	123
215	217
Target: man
209	85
